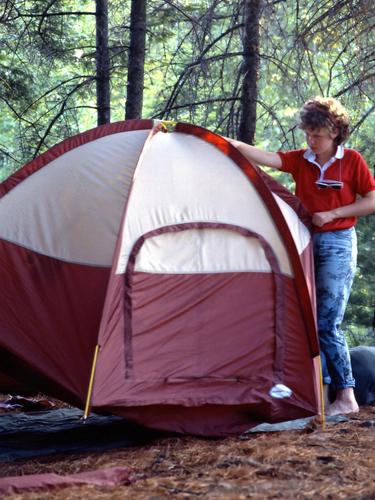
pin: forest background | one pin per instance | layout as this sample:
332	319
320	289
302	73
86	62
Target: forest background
240	68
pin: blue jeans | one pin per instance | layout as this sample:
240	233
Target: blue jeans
335	256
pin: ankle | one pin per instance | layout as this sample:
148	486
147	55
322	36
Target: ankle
346	395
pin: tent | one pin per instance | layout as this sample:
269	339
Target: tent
160	277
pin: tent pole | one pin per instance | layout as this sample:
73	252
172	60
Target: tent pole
89	391
322	396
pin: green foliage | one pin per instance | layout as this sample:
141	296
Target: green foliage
361	308
45	78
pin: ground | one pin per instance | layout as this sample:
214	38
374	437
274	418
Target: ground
338	462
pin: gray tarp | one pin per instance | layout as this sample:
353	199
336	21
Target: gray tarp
25	435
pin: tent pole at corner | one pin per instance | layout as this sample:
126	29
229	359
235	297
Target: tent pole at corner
322	395
89	391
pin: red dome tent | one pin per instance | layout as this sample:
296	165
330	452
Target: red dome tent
187	266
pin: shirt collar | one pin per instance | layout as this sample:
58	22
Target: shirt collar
311	156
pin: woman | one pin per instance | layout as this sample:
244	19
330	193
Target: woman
328	179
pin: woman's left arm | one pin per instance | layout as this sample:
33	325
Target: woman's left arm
363	206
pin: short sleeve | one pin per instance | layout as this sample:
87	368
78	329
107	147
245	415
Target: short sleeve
290	160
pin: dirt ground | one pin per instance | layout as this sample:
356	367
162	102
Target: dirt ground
338	462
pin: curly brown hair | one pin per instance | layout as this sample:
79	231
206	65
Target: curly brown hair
325	112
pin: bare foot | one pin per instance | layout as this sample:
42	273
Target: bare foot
339	408
345	402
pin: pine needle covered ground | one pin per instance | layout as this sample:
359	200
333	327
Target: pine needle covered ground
300	464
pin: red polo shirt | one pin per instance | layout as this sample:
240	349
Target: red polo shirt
355	175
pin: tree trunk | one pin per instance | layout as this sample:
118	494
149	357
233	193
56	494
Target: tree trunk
250	69
102	63
134	99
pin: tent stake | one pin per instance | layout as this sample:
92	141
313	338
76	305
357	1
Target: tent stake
87	406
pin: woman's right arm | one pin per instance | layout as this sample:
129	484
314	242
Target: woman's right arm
257	155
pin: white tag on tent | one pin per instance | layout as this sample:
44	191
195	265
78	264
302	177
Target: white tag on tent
280	391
